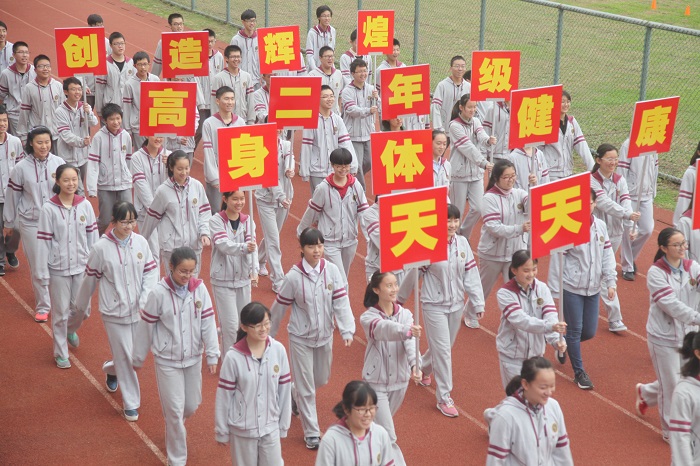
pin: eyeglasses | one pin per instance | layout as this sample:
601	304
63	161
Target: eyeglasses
326	16
508	177
609	159
184	273
366	411
127	223
43	67
682	245
118	44
258	327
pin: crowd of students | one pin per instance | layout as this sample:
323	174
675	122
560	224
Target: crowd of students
53	153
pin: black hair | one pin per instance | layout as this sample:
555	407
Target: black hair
353	36
696	156
59	171
663	239
372	298
357	63
230	49
40	57
71	80
3	25
223	90
226	194
455	58
210	32
461	102
248	14
326	87
322	9
437	132
566	94
122	209
182	253
386	125
453	212
691	344
340	156
468	75
114	36
325	49
19	44
111	109
396	42
138	56
529	372
28	148
499	167
173	158
600	153
174	16
94	19
594	196
252	314
311	236
356	393
519	259
3	109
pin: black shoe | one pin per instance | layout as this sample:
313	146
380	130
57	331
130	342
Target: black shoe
12	260
561	357
295	409
629	276
312	443
634	267
2	270
583	382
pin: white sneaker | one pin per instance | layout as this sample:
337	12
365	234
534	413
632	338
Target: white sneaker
471	323
617	326
263	271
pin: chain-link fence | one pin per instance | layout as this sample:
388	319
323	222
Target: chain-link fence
606	62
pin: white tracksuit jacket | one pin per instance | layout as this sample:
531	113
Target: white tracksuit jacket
11	85
243	88
250	60
339	447
108	162
356	111
73	126
632	169
147	174
315	39
613	203
210	143
317	145
334	80
446	94
131	102
685	192
30	185
559	156
273	196
231	263
466	159
497	123
38	107
685	423
523	167
110	87
346	60
11	152
503	216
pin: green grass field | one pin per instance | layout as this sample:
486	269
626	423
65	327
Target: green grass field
600	65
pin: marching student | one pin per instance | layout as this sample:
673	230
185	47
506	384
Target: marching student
67	231
350	56
631	170
123	258
108	176
11	152
360	104
496	123
336	206
316	290
559	156
177	325
30	185
12	80
391	60
613	206
234	262
179	211
94	20
448	92
120	68
216	65
73	122
132	97
6	58
528	426
41	97
673	286
149	169
687	189
685	226
241	82
685	409
390	356
261	99
247	40
467	162
177	24
588	269
529	318
254	396
330	76
443	291
356	439
323	34
223	118
273	209
441	166
530	167
317	144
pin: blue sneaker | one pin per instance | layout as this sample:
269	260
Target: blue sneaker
131	415
112	383
73	340
62	363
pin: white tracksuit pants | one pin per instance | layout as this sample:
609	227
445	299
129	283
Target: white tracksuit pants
645	226
388	403
472	192
667	365
266	450
311	369
229	302
441	329
341	257
30	245
121	344
271	220
152	242
63	291
612	306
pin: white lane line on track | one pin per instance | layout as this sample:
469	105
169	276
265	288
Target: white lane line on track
76	362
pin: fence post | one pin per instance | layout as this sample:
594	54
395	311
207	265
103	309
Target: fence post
359	5
560	38
416	28
645	64
193	6
228	11
267	13
482	25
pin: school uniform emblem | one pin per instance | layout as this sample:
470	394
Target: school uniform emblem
540	301
693	282
198	305
463	255
555	427
330	286
194	201
276	369
130	72
520	207
82	218
379	458
245	84
12	154
124	147
139	255
55	98
602	239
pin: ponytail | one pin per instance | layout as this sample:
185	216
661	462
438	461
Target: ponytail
528	373
663	240
691	344
372	298
461	102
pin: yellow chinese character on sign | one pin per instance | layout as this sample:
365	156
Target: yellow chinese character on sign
279	46
406	89
408	165
535	115
653	127
376	30
247	156
81	51
413	225
186	54
556	206
168	108
495	75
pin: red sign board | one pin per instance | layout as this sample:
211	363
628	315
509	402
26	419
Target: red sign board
495	73
375	32
401	160
185	53
534	116
247	157
294	101
168	108
278	49
406	91
652	126
80	51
